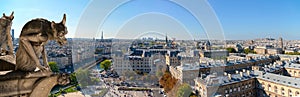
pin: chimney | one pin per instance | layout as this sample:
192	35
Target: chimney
248	72
241	74
225	73
229	76
236	71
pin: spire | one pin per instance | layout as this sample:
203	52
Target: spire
166	38
102	36
281	43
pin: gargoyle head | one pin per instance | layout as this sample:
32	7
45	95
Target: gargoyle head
59	31
6	20
11	17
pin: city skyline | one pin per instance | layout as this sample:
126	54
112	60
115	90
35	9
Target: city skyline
239	19
150	48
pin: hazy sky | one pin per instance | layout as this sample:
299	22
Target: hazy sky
238	19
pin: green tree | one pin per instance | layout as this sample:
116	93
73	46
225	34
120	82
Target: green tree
73	78
105	64
247	50
292	53
95	80
53	66
184	90
231	50
82	76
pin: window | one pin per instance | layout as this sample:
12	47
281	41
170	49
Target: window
226	91
275	89
230	90
262	85
269	88
290	93
234	89
239	89
297	93
282	91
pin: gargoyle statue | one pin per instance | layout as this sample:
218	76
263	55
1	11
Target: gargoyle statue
5	36
32	41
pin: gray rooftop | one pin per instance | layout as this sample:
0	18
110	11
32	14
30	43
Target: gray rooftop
293	65
290	81
214	80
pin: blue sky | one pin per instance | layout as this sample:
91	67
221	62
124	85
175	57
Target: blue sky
259	18
239	19
53	10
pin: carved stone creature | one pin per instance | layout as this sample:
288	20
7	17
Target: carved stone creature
32	40
5	36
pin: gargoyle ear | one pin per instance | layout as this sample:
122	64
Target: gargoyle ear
12	15
54	29
52	24
64	19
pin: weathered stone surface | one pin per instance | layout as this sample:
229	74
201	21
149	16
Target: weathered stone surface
7	62
33	84
16	86
43	87
34	36
18	75
5	36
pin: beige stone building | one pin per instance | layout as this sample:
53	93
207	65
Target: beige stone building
274	51
186	73
274	85
293	69
248	84
241	84
172	58
260	50
189	70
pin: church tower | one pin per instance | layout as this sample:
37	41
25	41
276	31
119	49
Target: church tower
207	45
102	36
166	39
280	43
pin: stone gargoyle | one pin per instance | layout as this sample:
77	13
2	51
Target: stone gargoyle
32	41
5	36
7	59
